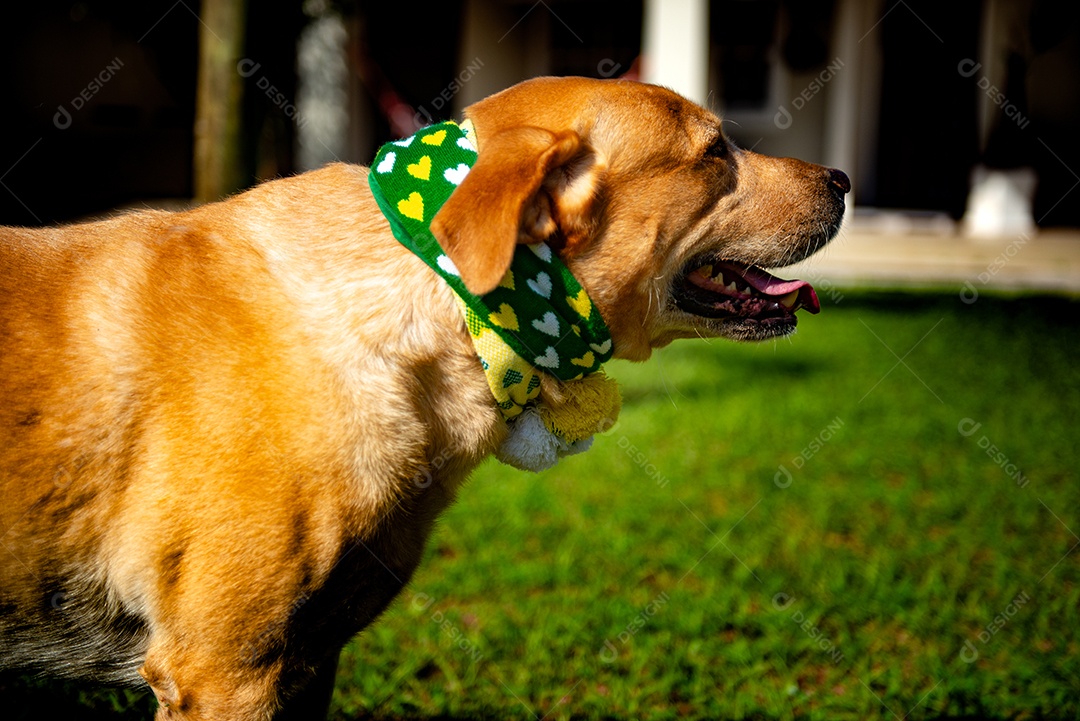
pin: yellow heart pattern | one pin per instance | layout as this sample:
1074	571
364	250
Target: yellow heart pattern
434	139
585	361
412	207
421	169
501	364
505	317
508	328
581	304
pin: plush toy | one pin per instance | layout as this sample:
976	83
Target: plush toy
543	433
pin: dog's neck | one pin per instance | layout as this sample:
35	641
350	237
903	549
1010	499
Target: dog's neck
538	320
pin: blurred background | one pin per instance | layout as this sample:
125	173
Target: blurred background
875	519
956	120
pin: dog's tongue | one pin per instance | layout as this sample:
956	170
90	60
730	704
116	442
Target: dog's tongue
772	286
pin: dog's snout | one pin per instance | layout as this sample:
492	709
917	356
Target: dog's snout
840	180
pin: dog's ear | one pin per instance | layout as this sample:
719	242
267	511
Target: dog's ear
528	185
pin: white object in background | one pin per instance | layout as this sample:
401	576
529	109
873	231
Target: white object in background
676	46
1000	203
322	119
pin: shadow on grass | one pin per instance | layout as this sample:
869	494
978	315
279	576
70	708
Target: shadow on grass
753	717
25	698
746	366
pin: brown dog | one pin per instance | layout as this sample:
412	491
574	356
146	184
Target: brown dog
212	422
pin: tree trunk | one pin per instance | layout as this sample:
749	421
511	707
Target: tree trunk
218	165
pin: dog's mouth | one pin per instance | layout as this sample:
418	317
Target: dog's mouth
750	303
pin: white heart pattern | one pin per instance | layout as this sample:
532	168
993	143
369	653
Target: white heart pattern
542	251
541	285
550	359
454	176
464	144
406	142
447	265
602	348
549	324
387	163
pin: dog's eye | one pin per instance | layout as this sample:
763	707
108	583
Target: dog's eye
719	148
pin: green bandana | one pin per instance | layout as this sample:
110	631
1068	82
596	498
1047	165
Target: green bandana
539	317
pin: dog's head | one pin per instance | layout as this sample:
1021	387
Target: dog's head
665	222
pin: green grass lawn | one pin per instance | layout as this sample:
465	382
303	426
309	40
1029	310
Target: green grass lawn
874	519
892	569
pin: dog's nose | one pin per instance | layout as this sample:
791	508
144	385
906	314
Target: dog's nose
840	179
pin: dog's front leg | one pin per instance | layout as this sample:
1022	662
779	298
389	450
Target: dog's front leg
312	703
219	646
198	680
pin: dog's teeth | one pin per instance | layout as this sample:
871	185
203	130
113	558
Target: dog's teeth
705	271
732	287
788	301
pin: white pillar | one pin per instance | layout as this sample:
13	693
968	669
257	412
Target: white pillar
676	46
842	106
1000	202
